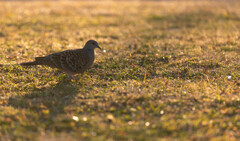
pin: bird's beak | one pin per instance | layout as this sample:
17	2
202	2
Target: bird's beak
99	47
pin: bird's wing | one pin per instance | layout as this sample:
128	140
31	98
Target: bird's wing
70	60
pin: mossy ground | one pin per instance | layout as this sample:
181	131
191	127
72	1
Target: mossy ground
170	71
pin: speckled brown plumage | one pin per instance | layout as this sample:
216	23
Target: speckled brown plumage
69	61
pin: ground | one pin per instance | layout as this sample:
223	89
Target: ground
168	71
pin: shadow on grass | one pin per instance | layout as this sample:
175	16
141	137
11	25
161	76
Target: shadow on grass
46	102
191	69
127	68
141	68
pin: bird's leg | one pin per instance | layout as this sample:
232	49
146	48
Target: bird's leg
70	76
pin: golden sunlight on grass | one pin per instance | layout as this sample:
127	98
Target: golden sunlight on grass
168	70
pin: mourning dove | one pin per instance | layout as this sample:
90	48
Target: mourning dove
70	61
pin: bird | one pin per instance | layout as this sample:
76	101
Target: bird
69	61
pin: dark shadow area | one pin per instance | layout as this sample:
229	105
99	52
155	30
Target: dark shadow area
191	69
47	102
137	67
123	69
183	74
147	67
196	64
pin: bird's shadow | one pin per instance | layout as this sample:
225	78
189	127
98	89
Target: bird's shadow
47	101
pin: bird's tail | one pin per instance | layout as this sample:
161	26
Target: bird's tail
38	61
29	63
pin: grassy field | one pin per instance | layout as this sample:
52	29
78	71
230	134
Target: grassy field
170	71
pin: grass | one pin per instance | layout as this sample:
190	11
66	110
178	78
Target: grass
170	71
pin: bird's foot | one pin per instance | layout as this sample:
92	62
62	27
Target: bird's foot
70	77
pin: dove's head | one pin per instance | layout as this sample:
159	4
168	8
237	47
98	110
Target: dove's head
91	44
